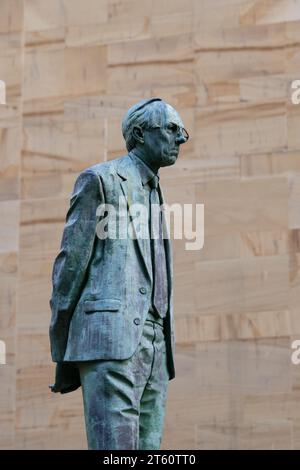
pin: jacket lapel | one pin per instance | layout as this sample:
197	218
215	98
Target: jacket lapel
168	247
132	189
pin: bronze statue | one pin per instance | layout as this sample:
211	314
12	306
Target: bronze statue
112	329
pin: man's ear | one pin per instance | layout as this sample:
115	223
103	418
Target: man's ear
138	134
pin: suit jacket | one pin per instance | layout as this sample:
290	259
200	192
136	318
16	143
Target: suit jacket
102	287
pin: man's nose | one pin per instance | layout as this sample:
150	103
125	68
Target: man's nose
180	139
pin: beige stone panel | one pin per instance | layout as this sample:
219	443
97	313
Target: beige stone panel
43	185
77	71
44	40
141	78
44	74
54	151
292	65
269	324
7	406
242	368
270	11
248	244
135	8
160	19
11	19
294	198
191	169
185	299
200	407
8	286
272	435
9	231
212	22
193	328
238	64
164	25
217	378
218	93
41	15
183	257
45	420
240	286
11	73
34	343
271	407
10	144
270	164
112	31
177	48
42	222
227	66
295	383
292	30
179	96
98	106
295	444
177	191
293	126
89	12
294	278
197	411
12	42
294	298
10	115
231	206
42	108
215	34
115	140
232	246
35	270
173	439
227	131
295	322
264	88
86	71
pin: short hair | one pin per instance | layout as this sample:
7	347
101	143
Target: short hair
149	112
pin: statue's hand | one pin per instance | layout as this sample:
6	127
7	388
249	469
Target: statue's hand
67	378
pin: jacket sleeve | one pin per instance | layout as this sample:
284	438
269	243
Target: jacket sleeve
70	266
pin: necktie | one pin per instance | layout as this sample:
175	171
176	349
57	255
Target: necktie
160	280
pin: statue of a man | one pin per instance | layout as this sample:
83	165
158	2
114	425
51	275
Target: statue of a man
112	329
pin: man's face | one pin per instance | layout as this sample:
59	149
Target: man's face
162	143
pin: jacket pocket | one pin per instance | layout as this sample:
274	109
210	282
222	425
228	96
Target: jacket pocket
101	305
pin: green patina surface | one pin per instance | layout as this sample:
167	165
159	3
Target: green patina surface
100	333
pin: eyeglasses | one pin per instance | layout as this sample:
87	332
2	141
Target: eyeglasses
174	128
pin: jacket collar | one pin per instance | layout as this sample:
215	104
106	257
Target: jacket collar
131	165
146	173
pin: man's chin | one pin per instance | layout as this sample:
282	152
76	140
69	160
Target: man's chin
169	159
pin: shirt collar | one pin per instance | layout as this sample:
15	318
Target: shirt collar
145	171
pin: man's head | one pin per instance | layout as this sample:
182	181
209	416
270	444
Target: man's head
154	131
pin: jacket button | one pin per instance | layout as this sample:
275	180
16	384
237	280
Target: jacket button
136	321
143	290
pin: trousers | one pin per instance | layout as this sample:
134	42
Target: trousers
124	400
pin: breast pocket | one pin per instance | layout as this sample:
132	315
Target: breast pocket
101	305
